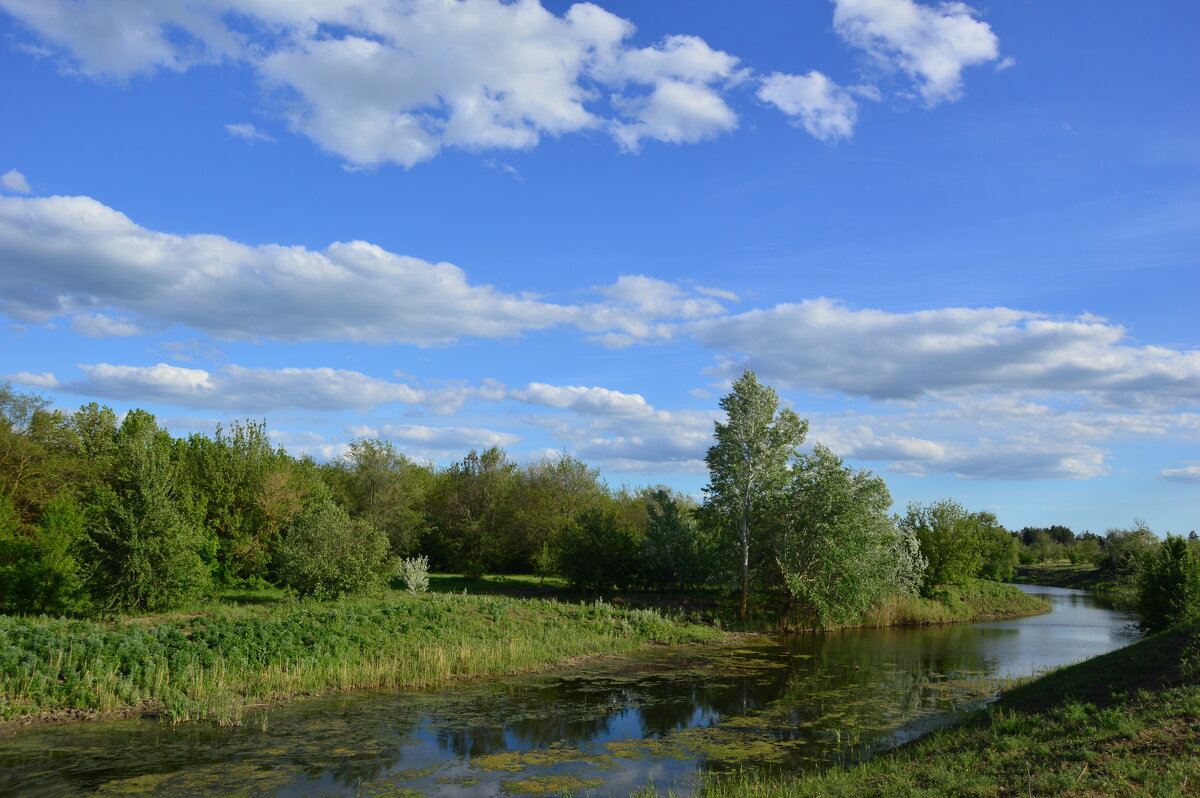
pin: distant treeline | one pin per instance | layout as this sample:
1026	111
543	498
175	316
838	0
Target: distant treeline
101	515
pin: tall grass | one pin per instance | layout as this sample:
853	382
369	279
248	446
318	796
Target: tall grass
217	663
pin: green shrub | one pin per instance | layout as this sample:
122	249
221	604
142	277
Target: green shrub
1169	586
414	574
326	554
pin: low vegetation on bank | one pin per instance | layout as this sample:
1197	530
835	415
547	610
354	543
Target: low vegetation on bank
217	663
1121	724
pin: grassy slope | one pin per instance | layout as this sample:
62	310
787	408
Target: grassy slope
1081	577
1126	723
215	663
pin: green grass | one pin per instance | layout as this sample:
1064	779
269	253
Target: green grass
255	648
975	601
1126	723
1064	574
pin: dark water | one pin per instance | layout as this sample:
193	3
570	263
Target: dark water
607	729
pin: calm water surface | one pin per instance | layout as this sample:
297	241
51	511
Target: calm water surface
607	729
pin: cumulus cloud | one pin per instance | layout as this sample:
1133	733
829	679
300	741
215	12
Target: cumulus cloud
14	181
449	438
595	400
1023	456
932	44
62	255
247	131
822	345
376	81
1188	475
816	103
248	389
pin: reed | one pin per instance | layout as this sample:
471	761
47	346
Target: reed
216	663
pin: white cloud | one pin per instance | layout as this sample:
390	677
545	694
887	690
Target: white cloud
95	325
250	389
376	81
456	439
44	380
75	255
1188	475
14	181
932	44
588	401
247	131
824	109
1019	456
822	345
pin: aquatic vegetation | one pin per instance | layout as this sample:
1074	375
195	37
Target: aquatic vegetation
215	664
554	785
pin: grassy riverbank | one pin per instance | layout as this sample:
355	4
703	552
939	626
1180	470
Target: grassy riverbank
976	601
1126	723
1080	577
216	663
217	660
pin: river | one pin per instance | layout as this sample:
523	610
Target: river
603	729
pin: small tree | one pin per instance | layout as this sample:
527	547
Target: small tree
1169	586
597	553
414	573
146	547
950	542
327	555
838	550
669	552
998	548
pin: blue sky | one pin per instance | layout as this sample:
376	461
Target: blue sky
961	240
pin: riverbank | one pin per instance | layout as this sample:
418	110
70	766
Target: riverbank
218	663
1124	723
1078	577
978	600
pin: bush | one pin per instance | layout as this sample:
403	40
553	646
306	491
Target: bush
414	574
326	554
1169	586
472	570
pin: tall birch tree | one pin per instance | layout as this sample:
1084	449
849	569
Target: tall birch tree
748	465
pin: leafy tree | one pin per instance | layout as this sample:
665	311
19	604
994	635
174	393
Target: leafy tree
670	550
381	486
1168	585
472	506
597	552
548	495
748	465
950	542
998	549
147	546
838	550
326	554
1126	549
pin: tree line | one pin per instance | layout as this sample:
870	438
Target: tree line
104	514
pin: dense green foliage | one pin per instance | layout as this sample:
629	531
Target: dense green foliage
327	554
106	515
838	551
1168	585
